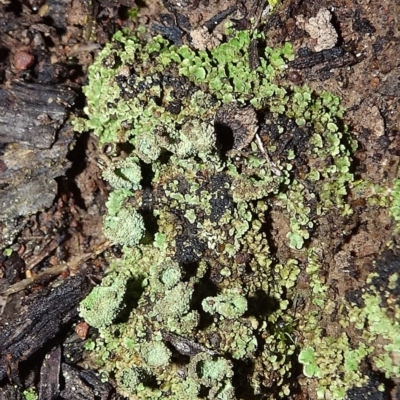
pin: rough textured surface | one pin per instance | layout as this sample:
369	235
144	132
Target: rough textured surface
27	181
49	386
42	319
83	385
321	29
221	146
362	69
239	123
32	114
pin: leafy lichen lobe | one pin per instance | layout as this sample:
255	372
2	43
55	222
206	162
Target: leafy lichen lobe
213	145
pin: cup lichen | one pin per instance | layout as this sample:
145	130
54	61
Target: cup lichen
214	146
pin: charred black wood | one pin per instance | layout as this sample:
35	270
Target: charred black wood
362	25
83	385
254	57
42	316
217	19
331	58
169	29
49	385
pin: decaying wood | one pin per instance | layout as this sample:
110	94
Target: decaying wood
32	113
11	392
324	60
49	385
38	321
31	117
48	273
27	180
83	385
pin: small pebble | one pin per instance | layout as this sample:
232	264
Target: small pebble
82	330
23	60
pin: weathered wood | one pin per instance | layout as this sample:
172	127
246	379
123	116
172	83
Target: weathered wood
31	117
49	385
11	392
32	113
27	180
83	385
37	322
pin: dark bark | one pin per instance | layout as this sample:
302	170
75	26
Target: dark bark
37	322
84	385
32	113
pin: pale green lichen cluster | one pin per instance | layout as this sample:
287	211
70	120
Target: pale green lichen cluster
395	202
30	394
200	293
108	298
370	330
369	319
332	357
326	357
162	99
229	304
169	305
379	320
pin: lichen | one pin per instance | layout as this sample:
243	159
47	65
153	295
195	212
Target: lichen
102	305
372	312
395	202
378	314
219	159
123	174
30	394
230	304
125	227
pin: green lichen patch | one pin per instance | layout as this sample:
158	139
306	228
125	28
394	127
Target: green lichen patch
395	201
369	319
162	99
101	307
212	149
377	314
231	305
330	357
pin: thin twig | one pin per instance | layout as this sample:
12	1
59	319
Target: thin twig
273	167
